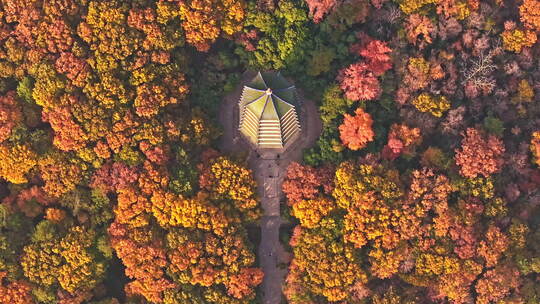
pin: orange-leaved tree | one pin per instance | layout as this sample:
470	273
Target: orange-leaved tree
493	247
420	30
60	173
304	182
144	259
356	131
68	135
535	147
529	12
401	139
10	114
515	39
17	292
206	259
480	154
497	283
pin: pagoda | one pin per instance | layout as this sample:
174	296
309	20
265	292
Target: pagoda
268	112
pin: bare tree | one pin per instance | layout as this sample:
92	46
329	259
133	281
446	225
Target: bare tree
477	72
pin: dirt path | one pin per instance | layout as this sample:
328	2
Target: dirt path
269	169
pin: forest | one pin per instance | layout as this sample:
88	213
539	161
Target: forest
423	186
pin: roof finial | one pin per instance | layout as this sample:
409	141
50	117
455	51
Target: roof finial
268	91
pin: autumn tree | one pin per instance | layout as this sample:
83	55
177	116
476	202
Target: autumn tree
310	212
105	30
17	292
70	261
359	228
76	69
418	74
497	283
535	147
529	12
30	201
55	35
435	105
367	193
60	173
204	20
114	177
456	286
427	191
144	260
515	39
68	134
10	114
356	131
80	270
17	161
376	53
371	197
401	139
409	7
132	208
419	30
155	23
304	182
225	179
359	83
206	259
479	154
328	268
241	285
494	246
319	8
150	98
174	211
359	80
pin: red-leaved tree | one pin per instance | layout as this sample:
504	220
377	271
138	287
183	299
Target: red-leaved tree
358	82
377	56
319	8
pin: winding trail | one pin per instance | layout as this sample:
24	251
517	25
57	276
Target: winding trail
269	169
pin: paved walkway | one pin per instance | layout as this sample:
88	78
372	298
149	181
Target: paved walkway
269	177
269	170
